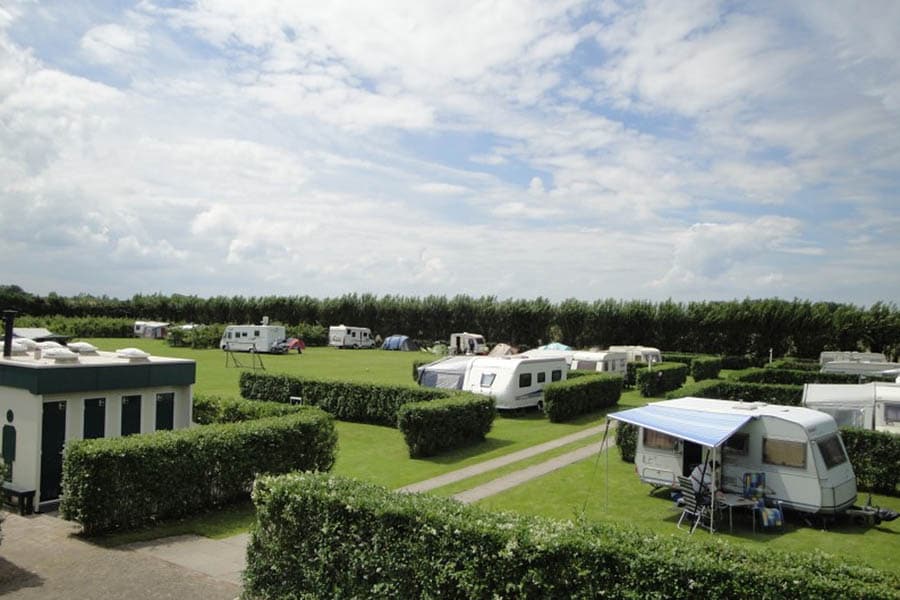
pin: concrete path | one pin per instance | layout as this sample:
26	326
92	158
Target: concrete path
222	560
490	465
41	558
515	478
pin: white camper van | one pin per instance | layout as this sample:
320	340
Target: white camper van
467	343
253	338
346	336
873	405
644	354
513	381
608	361
799	450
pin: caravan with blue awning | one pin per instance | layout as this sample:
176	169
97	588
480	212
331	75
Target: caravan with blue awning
799	450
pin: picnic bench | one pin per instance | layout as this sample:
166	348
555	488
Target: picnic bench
23	496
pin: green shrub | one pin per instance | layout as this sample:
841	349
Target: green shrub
436	425
789	395
128	482
661	378
706	367
215	409
312	334
200	336
565	400
737	362
794	364
626	440
686	358
326	537
790	377
358	402
875	456
631	369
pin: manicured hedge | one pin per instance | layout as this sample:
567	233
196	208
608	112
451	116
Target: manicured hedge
215	409
875	456
127	482
789	395
319	536
790	377
706	367
358	402
686	358
436	425
631	369
661	378
626	440
565	400
738	362
794	364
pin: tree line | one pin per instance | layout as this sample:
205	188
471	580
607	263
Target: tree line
737	327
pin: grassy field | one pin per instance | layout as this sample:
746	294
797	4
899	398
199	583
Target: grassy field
594	490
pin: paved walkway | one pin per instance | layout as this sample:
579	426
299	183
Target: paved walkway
41	558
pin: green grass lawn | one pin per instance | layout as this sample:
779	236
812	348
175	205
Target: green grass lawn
606	489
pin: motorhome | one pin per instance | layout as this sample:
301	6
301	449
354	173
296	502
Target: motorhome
346	336
800	450
513	381
873	405
644	354
467	343
850	356
605	361
253	338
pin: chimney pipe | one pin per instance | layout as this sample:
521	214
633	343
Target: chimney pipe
9	316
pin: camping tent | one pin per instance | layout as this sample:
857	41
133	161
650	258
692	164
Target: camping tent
399	342
554	346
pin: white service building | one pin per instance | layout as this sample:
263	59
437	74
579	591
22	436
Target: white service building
53	395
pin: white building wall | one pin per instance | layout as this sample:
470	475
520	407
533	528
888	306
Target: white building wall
27	414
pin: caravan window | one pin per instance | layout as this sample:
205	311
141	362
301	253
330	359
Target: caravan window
737	445
524	380
660	441
784	453
487	379
555	375
587	365
542	377
832	451
256	333
891	413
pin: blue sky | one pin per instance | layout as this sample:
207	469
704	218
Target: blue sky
685	150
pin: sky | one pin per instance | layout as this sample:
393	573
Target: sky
692	150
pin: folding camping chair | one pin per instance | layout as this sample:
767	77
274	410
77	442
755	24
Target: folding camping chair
755	489
691	507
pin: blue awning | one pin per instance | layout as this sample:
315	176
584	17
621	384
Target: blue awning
701	427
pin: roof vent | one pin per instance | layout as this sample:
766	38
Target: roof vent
60	355
17	349
48	345
28	343
133	354
83	348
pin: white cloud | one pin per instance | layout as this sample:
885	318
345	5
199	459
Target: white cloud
114	44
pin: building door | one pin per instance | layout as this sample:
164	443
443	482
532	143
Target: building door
165	411
131	415
53	437
94	418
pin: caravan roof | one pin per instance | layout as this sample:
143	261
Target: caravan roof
710	422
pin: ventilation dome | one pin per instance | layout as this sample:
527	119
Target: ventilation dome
60	355
83	348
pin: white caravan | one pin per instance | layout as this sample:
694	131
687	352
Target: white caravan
644	354
799	450
850	356
861	368
566	355
513	381
467	343
253	338
346	336
605	361
873	405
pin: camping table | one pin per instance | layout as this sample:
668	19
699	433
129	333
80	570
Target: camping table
731	500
